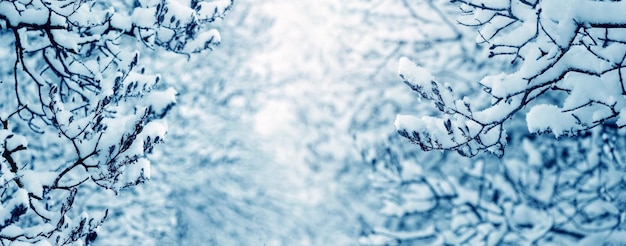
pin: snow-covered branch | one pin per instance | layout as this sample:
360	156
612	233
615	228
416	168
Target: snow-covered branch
78	111
574	52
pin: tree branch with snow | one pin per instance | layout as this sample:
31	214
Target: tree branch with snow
574	52
78	110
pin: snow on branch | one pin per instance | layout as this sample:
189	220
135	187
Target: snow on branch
77	110
572	51
457	130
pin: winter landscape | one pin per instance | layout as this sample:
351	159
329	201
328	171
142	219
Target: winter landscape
312	122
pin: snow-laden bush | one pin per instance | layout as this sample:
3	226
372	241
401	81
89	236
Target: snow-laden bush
78	112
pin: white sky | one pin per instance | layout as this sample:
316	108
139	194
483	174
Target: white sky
305	32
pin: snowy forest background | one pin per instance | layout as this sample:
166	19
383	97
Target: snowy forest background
362	122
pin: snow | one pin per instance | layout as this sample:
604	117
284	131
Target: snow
213	9
595	12
144	165
561	21
35	16
141	17
545	117
409	123
14	141
585	88
490	136
177	12
149	3
154	129
416	76
498	88
203	41
136	171
114	131
34	181
122	22
11	231
159	101
66	39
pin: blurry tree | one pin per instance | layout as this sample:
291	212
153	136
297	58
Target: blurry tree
78	113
